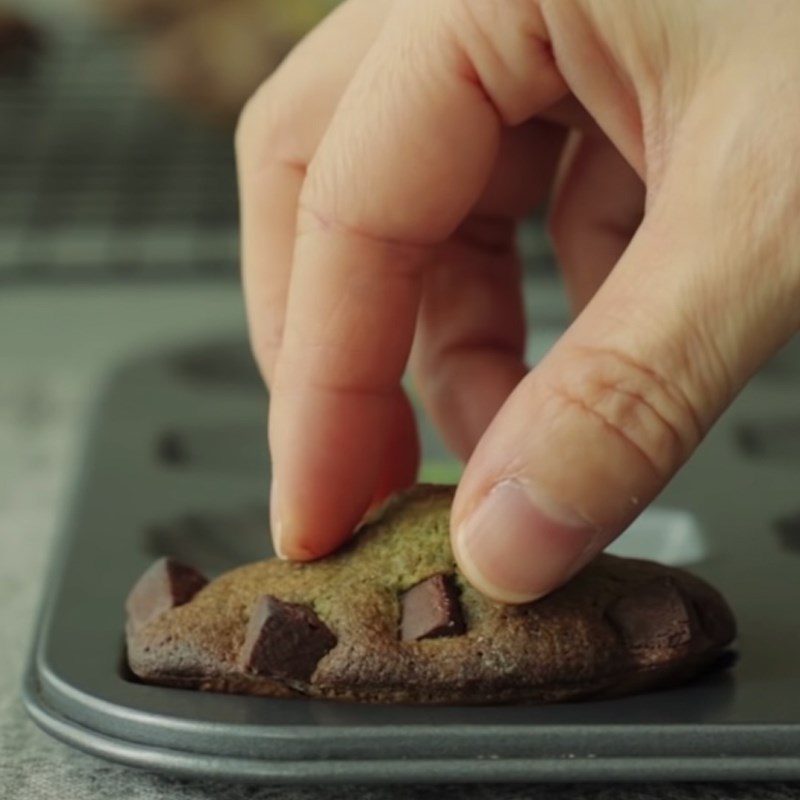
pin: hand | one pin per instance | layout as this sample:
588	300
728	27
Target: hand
383	169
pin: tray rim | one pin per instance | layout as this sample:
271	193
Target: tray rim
571	768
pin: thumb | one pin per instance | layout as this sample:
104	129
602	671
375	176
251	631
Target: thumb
595	431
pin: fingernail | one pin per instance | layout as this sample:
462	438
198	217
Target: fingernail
517	545
276	524
287	547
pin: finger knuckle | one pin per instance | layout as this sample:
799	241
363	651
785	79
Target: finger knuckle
505	42
634	403
265	129
249	120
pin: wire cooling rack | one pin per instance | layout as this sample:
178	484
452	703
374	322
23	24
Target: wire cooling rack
100	181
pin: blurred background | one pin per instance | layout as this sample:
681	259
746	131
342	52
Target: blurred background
116	121
115	140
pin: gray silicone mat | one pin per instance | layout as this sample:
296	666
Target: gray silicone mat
176	463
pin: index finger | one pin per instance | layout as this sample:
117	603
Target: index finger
407	155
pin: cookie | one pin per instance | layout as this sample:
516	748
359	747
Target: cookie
389	619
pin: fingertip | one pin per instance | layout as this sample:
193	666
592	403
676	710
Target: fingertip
295	540
299	536
486	586
516	546
301	531
290	549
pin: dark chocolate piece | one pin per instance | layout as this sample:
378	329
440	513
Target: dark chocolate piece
284	640
431	609
657	615
164	585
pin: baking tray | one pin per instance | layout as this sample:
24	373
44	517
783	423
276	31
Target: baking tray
176	463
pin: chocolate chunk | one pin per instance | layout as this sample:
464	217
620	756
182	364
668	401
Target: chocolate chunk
284	640
431	609
164	585
657	615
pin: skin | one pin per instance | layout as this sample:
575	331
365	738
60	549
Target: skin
383	170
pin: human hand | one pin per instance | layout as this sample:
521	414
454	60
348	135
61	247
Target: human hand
382	171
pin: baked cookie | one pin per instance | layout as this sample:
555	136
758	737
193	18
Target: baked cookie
389	619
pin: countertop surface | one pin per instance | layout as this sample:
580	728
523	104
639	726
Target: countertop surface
55	346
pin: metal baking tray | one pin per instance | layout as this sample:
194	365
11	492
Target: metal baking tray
176	463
